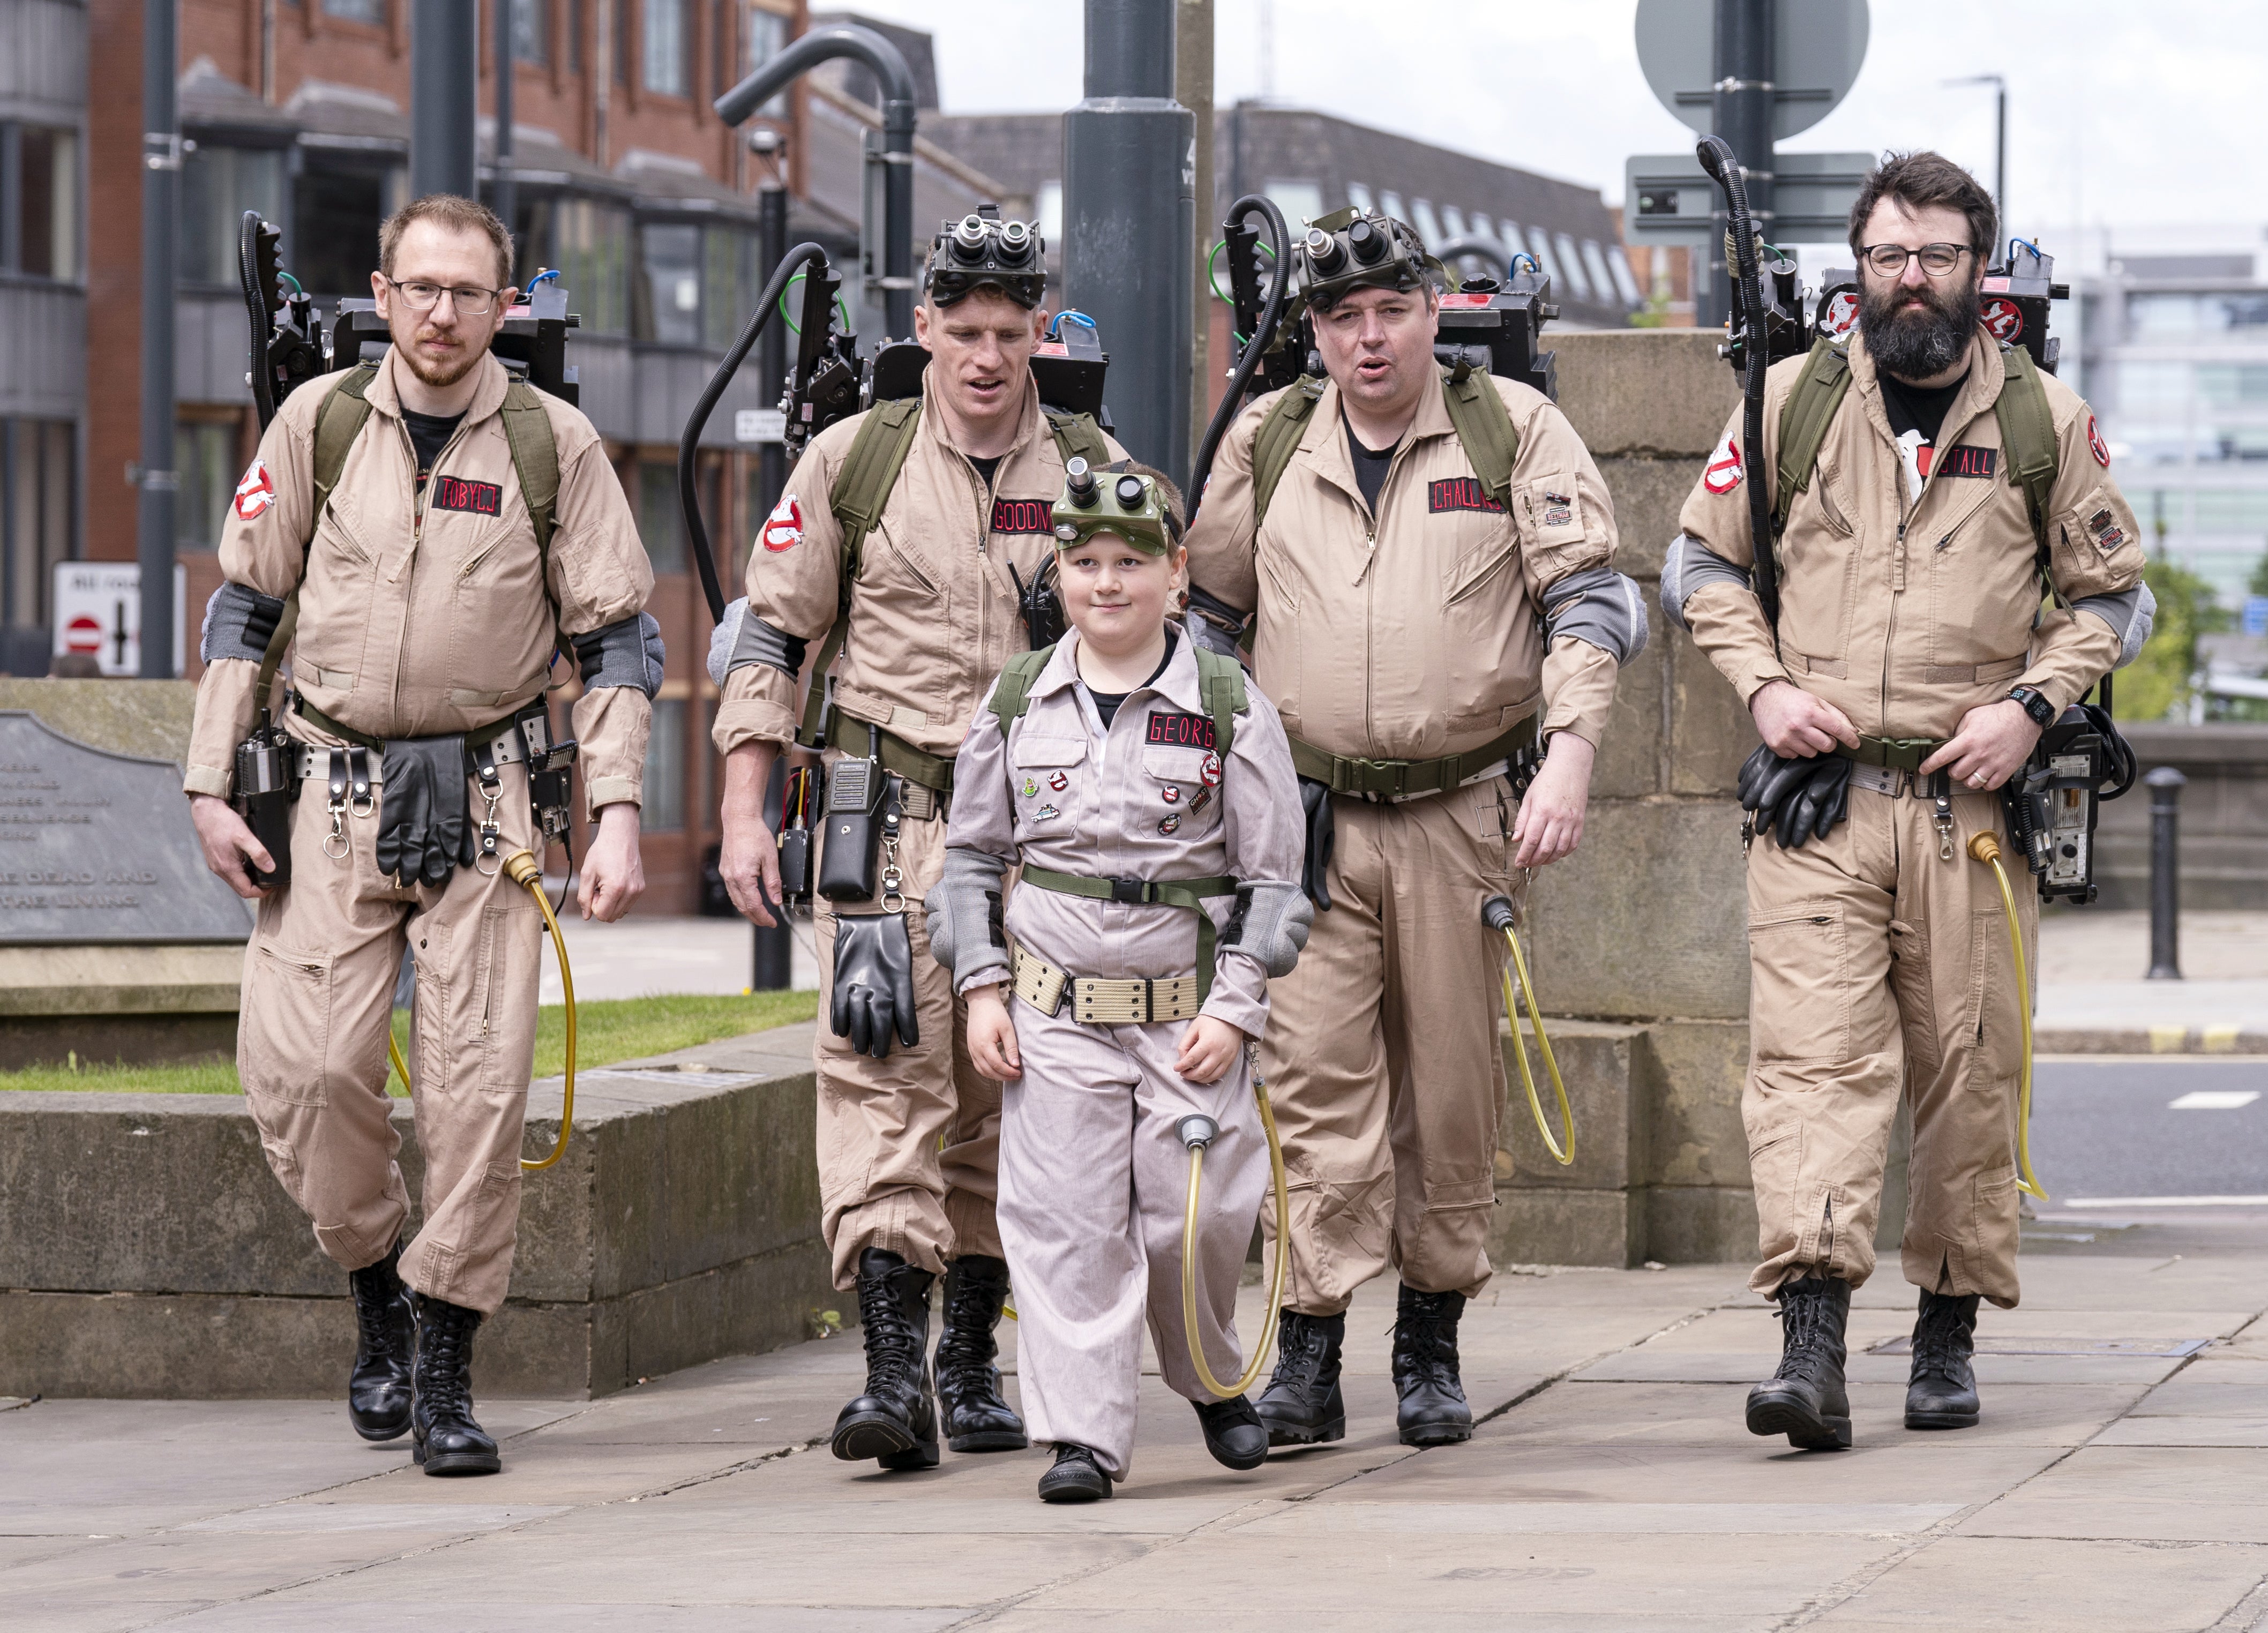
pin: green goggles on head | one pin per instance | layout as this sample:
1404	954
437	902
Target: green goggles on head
1122	504
1350	249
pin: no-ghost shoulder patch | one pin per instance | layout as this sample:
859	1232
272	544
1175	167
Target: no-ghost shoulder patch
255	493
1180	730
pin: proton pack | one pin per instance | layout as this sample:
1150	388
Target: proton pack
2013	303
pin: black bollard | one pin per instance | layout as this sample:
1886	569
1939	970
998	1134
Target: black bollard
2165	785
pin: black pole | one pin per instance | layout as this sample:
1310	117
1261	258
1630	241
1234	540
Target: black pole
506	194
2000	159
445	63
1128	248
2165	785
1741	112
161	184
773	968
889	66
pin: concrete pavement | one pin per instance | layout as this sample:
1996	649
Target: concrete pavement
2095	999
2119	1482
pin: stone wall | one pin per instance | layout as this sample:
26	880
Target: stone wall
2224	844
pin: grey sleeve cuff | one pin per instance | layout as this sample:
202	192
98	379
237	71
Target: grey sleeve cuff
1211	623
2131	613
1601	607
1689	565
239	623
1270	923
743	638
627	653
963	914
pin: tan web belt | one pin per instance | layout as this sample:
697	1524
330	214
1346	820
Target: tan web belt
315	758
1134	1003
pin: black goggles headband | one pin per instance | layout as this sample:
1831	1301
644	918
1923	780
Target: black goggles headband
980	248
1351	249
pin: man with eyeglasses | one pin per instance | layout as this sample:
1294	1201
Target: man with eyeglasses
437	532
1956	567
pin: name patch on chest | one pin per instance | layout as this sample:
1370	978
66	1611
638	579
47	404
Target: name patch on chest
1022	516
1181	731
1967	460
1459	493
454	493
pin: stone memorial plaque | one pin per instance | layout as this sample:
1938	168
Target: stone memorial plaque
98	847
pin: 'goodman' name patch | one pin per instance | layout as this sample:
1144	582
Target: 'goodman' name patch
454	493
1022	516
1459	493
1182	730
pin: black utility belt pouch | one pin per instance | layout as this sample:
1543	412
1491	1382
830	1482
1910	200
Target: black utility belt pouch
267	785
795	840
550	774
856	789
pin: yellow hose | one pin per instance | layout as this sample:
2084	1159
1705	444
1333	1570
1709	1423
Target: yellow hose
1261	1350
1986	848
524	869
1567	1156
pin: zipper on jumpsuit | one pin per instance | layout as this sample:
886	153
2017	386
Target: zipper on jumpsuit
418	536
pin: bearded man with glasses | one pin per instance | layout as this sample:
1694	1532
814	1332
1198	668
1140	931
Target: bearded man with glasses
1956	567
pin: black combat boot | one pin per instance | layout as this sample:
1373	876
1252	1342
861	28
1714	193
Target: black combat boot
1941	1391
1434	1411
1806	1400
386	1348
1302	1405
977	1418
894	1422
1234	1432
448	1441
1075	1478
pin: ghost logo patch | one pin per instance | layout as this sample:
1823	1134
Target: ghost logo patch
1059	782
2109	535
1209	773
255	493
783	529
1169	824
1170	794
2095	446
1180	730
1724	472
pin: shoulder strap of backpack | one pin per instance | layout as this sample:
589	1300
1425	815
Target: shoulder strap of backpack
1278	437
339	420
1014	694
1220	686
862	489
1484	426
1803	422
1078	437
2028	441
534	459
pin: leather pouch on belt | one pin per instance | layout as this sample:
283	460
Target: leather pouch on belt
424	818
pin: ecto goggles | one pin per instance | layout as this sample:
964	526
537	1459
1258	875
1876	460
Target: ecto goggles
982	249
1127	506
1350	249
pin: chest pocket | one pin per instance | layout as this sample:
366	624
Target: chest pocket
1046	779
1180	781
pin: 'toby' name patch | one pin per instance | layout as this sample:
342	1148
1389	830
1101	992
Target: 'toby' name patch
454	493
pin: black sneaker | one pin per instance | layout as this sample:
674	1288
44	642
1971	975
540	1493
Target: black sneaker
1075	1478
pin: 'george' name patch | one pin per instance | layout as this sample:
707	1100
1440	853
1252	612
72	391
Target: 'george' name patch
1968	459
1022	516
454	493
1459	493
1180	730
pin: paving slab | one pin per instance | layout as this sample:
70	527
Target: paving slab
2185	1494
2052	1585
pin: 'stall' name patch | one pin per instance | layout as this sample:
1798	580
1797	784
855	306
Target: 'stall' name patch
1967	460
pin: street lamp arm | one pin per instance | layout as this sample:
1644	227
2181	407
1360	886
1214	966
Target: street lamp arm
888	64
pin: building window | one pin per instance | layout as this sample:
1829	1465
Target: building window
1596	264
39	201
1389	205
337	204
664	812
204	461
531	30
370	11
37	483
1618	264
575	36
728	285
1571	264
1301	202
1049	208
767	39
1359	196
661	521
218	184
667	47
666	300
590	243
1428	224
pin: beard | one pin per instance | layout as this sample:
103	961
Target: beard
441	376
1915	345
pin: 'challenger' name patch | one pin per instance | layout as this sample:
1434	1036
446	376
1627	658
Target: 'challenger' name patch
1458	493
1182	731
454	493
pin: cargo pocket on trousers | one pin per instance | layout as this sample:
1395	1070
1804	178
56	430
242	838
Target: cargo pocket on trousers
287	1027
1799	1001
1775	1164
1995	1037
492	963
1910	978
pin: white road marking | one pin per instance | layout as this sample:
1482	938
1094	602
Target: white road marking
2165	1202
2213	1100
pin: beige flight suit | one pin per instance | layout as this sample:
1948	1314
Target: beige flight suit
419	616
907	1144
1410	635
1093	1180
1879	956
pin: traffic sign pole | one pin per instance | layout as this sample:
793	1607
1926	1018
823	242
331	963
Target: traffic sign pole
1742	113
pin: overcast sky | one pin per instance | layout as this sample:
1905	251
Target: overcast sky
2125	114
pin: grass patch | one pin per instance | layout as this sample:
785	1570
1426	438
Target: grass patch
615	1030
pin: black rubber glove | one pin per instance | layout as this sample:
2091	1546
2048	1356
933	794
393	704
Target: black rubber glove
1823	802
874	983
1322	837
425	817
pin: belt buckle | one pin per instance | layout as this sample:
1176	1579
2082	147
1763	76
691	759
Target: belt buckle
1129	890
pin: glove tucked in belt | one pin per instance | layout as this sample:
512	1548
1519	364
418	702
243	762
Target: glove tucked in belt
874	993
1795	799
424	818
1322	836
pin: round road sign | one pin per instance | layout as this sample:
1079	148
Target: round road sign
1818	47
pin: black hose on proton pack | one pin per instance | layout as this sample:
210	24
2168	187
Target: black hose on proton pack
1717	157
1255	349
703	559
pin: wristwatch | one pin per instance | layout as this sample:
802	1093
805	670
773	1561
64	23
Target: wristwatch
2042	711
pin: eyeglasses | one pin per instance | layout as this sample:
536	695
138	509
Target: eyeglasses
470	300
1937	259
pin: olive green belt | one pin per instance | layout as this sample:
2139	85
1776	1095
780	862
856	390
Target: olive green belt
1401	779
1178	892
931	771
1899	753
474	738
